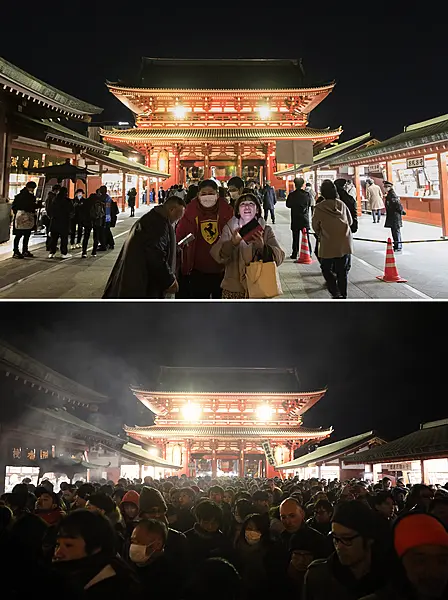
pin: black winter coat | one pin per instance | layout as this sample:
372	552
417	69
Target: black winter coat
299	203
352	206
269	197
394	210
23	201
144	267
203	545
61	211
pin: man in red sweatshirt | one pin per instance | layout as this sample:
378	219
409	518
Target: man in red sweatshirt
205	218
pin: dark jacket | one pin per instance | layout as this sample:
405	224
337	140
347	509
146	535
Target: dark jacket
131	198
327	578
185	519
86	212
23	201
145	265
349	202
61	211
394	210
299	203
203	545
154	578
269	197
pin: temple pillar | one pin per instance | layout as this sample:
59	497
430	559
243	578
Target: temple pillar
148	179
206	151
137	198
123	192
443	182
291	455
176	153
214	463
239	161
389	173
241	460
187	458
358	190
270	152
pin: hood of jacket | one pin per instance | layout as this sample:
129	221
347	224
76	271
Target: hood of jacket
334	208
132	497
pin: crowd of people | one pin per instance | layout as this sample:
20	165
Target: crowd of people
226	538
189	246
66	220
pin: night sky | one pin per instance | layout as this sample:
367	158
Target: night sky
389	65
383	363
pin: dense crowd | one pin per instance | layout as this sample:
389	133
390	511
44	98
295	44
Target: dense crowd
232	538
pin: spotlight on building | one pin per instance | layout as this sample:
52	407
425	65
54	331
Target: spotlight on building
264	412
191	412
180	111
264	111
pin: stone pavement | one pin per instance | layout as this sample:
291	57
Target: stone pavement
423	264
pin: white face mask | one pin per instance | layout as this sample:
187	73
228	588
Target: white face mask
137	553
209	200
79	196
252	537
234	195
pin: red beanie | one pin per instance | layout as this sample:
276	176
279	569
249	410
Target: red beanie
418	530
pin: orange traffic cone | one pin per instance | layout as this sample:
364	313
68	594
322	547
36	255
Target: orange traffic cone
390	270
305	256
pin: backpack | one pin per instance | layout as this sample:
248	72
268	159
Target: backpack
97	212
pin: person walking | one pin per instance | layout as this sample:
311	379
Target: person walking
61	211
91	216
299	203
110	218
349	201
331	222
269	202
146	265
375	200
132	195
312	193
24	211
161	195
394	212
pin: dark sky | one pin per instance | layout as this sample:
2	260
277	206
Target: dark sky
389	64
383	363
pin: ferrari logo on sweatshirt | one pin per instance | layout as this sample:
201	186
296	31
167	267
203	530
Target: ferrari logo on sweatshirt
209	231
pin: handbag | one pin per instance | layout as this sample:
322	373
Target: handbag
262	279
24	220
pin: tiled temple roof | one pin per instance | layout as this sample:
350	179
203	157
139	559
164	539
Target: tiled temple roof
218	133
22	82
328	451
431	441
218	431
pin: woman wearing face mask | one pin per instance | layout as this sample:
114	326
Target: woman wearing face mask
204	217
146	553
253	554
236	253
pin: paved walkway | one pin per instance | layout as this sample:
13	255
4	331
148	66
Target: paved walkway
424	265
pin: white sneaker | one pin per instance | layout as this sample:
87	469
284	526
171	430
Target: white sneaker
78	245
66	255
51	256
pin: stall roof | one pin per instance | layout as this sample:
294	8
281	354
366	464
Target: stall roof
419	134
431	441
28	86
329	451
139	454
33	372
118	161
331	152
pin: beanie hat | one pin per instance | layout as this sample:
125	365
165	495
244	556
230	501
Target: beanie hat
356	515
415	530
132	497
102	502
149	498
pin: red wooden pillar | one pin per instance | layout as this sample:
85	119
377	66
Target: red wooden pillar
148	179
239	161
443	182
123	192
389	171
137	198
214	464
358	189
241	460
270	163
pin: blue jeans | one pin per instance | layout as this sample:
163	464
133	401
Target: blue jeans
396	234
376	213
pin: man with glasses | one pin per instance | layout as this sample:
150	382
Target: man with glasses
351	572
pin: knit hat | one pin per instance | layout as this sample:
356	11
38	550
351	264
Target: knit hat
149	498
415	530
356	515
131	497
102	501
